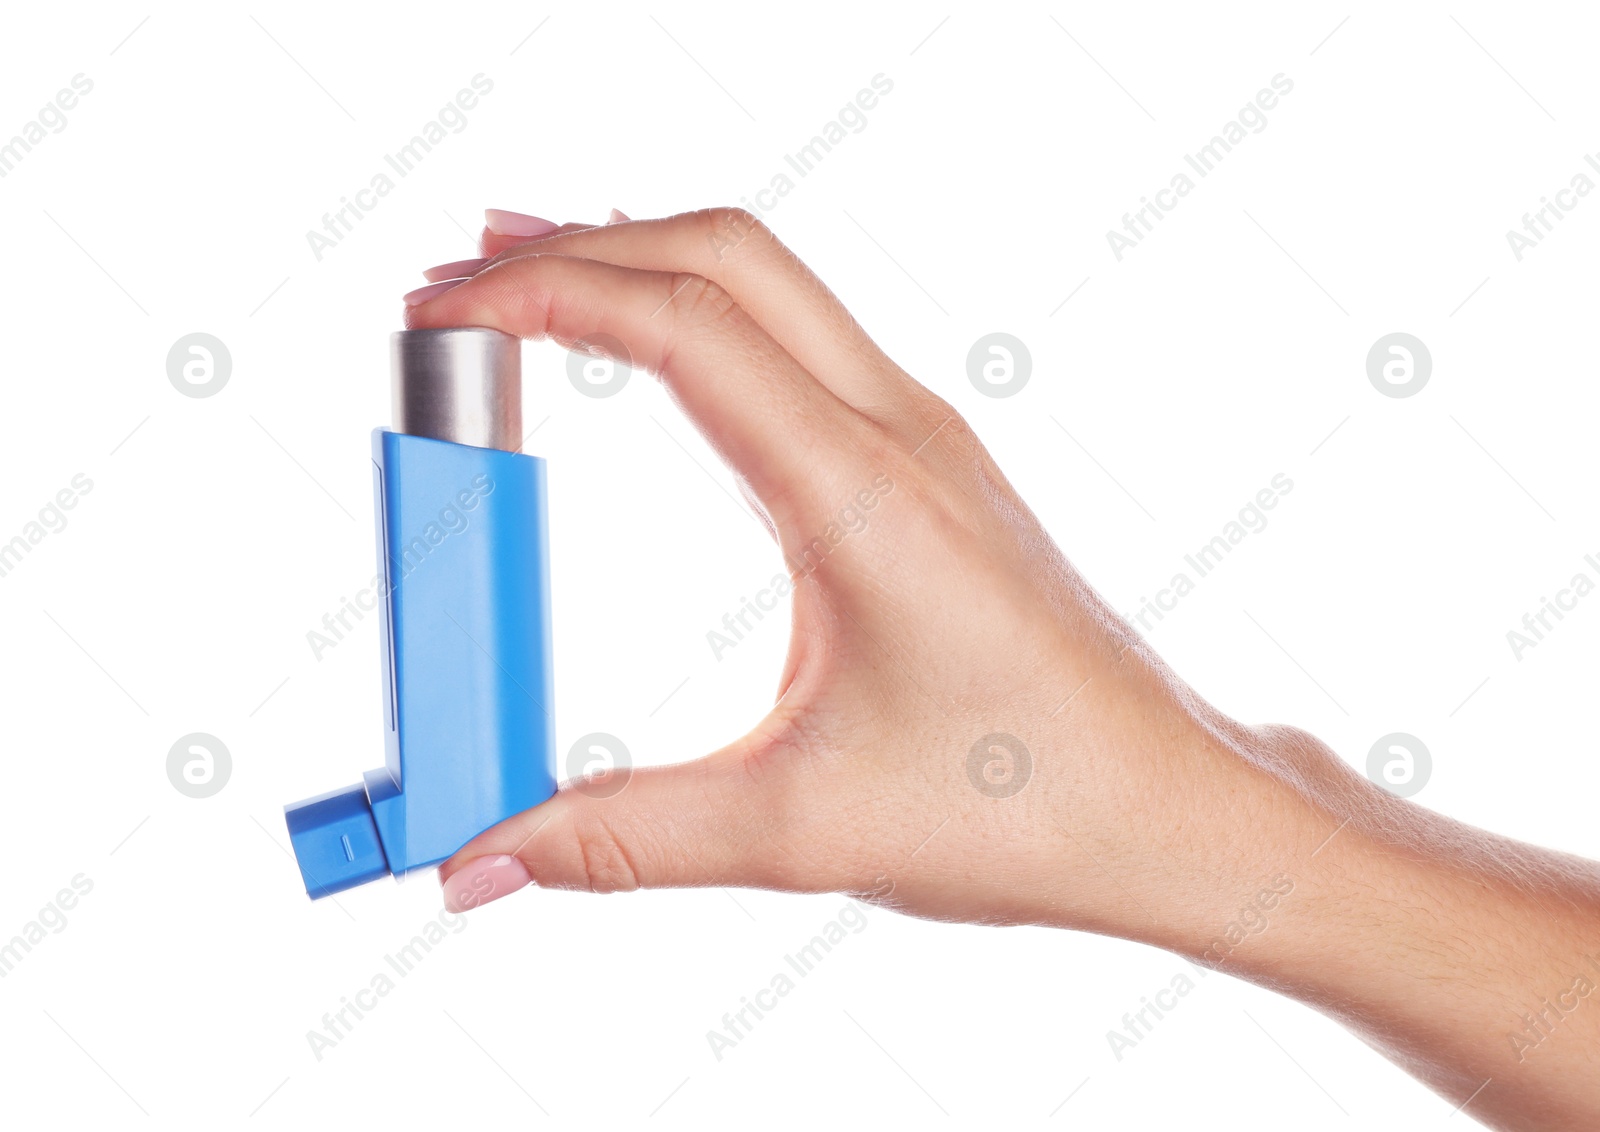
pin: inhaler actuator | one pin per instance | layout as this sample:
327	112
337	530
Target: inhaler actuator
464	607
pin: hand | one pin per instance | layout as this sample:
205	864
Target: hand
965	731
963	728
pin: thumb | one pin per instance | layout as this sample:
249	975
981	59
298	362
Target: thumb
706	822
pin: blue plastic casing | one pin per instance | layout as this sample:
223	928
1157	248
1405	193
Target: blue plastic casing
463	552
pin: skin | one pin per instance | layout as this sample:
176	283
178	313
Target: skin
1143	813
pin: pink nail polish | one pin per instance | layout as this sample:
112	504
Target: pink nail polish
457	270
485	879
617	216
431	291
503	223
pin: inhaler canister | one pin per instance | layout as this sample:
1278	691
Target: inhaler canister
464	609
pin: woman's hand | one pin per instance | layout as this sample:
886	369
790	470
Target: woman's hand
964	730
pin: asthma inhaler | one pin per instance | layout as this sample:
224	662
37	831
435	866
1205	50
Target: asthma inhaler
464	604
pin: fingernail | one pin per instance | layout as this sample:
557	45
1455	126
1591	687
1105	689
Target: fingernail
431	291
617	216
487	878
456	270
503	223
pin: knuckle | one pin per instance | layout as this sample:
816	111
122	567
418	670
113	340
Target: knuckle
944	439
729	218
893	453
944	424
944	483
606	865
728	229
698	301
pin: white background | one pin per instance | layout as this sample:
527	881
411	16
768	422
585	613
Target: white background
1228	347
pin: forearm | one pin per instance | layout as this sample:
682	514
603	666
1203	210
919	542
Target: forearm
1471	960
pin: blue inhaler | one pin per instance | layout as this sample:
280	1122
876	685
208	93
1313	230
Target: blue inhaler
464	604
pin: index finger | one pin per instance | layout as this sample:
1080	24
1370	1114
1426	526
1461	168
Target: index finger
769	418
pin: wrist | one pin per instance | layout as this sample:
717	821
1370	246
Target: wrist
1446	947
1274	802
